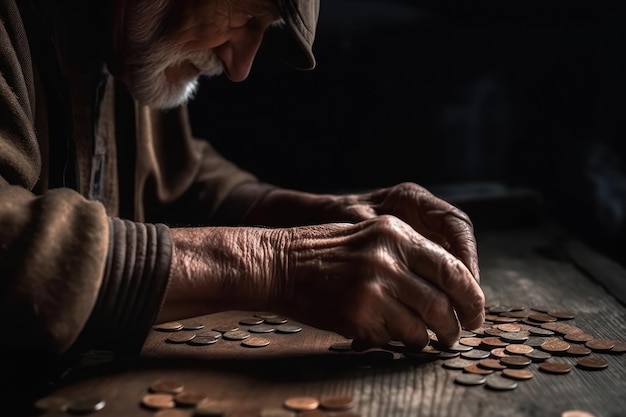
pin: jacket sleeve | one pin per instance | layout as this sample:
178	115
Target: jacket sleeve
70	276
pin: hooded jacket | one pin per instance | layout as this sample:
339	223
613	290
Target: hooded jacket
90	182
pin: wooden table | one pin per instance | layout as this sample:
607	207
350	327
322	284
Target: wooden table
529	266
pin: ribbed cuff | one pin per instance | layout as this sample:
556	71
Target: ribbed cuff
133	287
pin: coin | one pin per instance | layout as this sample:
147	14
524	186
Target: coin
538	355
549	326
171	413
518	349
261	328
521	314
561	314
578	337
471	341
288	328
475	369
578	350
541	318
225	328
563	329
189	398
158	401
553	367
592	363
499	309
336	402
341	347
276	412
519	374
493	364
212	408
180	337
576	413
476	354
209	333
538	331
494	342
166	386
86	405
52	404
499	353
255	342
508	327
555	346
534	341
236	335
514	337
456	363
202	341
193	326
449	355
515	361
172	326
493	331
600	345
251	321
276	320
470	379
456	347
466	333
301	403
541	308
499	383
618	347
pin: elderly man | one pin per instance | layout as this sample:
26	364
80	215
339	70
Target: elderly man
113	217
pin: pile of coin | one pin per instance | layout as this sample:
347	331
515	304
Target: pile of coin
247	331
80	406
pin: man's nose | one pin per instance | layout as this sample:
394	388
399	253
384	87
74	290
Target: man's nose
238	53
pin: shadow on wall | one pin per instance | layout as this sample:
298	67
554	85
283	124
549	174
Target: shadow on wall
523	93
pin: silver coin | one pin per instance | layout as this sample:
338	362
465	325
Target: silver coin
538	355
448	355
236	335
456	347
193	326
470	379
466	333
515	337
251	321
86	405
476	354
202	341
457	363
538	331
288	328
534	341
209	333
275	320
261	328
500	383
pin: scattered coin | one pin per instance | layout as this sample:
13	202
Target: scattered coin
549	326
336	402
561	314
301	403
538	331
211	408
518	349
514	337
493	331
457	347
202	341
276	320
288	328
251	321
534	341
592	363
475	369
255	342
158	401
499	383
470	379
493	364
236	335
466	333
538	355
261	328
193	326
172	326
86	405
515	361
226	328
276	412
553	367
541	318
209	333
494	342
555	346
166	386
499	309
519	374
456	363
578	337
508	327
449	355
541	308
618	347
563	329
189	398
180	337
471	341
476	354
499	353
600	345
578	350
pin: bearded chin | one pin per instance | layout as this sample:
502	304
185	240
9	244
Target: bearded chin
153	89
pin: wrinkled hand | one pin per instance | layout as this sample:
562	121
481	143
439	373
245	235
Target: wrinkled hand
380	280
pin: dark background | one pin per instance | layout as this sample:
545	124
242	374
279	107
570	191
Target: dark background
527	94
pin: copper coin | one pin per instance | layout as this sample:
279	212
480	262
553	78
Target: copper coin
212	408
470	379
172	326
158	401
276	320
52	404
86	405
541	318
519	374
494	342
471	341
564	329
555	346
475	369
202	341
171	413
466	333
549	326
236	335
592	363
514	337
189	398
255	342
578	350
518	349
193	326
541	308
619	347
515	361
276	412
476	354
578	337
538	355
538	331
508	327
456	363
499	383
180	338
226	328
499	353
576	413
301	403
336	402
501	319
261	328
561	314
493	331
288	329
166	386
553	367
493	364
251	321
600	345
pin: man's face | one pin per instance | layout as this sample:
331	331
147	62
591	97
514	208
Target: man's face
168	44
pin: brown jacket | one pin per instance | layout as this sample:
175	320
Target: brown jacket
78	155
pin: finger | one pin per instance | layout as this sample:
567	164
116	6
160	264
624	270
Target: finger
459	234
406	326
